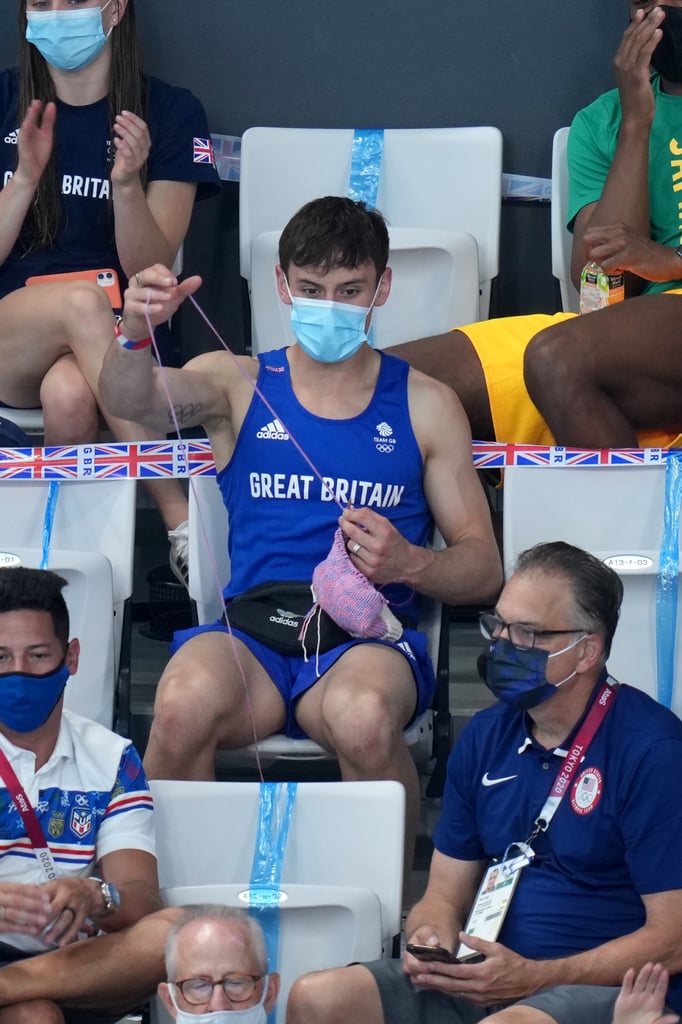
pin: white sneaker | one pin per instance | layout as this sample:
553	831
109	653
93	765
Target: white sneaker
179	552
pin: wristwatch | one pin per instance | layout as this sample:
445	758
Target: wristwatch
679	251
110	895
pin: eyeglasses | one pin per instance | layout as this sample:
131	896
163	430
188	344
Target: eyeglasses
237	987
520	635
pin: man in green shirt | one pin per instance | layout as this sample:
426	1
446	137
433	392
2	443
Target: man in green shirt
605	378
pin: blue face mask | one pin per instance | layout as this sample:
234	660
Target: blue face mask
27	701
68	40
327	331
517	675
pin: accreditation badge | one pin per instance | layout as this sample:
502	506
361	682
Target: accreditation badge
494	896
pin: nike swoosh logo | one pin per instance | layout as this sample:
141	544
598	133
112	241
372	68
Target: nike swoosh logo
495	782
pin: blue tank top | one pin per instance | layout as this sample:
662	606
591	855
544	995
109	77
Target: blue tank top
282	518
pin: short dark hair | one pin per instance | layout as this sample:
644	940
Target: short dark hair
334	232
597	589
36	590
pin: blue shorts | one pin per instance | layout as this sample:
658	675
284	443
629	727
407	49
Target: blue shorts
293	675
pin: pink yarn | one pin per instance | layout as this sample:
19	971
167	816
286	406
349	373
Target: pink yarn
350	599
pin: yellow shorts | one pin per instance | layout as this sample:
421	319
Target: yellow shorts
500	345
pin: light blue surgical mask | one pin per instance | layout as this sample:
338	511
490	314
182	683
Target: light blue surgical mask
252	1015
27	701
328	331
68	40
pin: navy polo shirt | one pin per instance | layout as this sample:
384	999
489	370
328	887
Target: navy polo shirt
616	836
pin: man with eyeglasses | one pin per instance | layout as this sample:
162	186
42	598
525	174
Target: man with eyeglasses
217	968
569	788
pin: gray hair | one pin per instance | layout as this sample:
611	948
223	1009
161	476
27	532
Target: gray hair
597	589
207	912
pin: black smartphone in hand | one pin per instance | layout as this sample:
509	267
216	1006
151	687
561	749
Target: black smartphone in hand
428	953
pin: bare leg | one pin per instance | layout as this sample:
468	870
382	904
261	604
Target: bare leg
43	323
347	995
642	998
520	1015
35	1012
359	709
598	379
452	359
201	705
70	411
110	972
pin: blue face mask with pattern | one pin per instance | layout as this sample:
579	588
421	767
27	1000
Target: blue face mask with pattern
516	675
68	40
27	701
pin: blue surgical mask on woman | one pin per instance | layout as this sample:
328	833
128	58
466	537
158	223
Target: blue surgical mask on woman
68	40
27	701
251	1015
328	331
516	675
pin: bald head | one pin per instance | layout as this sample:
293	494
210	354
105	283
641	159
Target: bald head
207	928
213	942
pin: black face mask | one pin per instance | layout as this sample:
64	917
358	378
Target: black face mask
667	57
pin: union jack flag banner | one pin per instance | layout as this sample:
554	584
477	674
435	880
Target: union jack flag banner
165	459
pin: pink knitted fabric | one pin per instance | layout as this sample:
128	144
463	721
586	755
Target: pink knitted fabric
350	599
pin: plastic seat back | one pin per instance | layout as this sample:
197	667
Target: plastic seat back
341	873
443	180
616	512
562	239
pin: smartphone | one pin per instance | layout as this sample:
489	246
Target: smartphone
439	953
106	279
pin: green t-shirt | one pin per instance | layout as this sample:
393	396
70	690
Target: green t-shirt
591	149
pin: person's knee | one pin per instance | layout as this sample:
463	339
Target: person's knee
334	997
69	406
363	725
38	1011
84	301
178	691
187	707
550	360
304	1002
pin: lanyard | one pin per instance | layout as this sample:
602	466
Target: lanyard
588	730
30	819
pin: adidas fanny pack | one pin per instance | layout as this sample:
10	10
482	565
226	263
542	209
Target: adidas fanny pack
273	613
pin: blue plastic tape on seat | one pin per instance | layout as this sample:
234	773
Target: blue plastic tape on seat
48	521
365	168
667	583
275	807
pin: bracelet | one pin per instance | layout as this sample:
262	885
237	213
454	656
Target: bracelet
127	343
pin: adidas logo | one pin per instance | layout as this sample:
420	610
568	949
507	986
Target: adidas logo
13	137
273	431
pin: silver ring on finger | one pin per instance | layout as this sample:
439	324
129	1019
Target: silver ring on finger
70	910
3	912
356	547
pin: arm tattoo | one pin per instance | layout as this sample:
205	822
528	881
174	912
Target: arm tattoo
185	413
